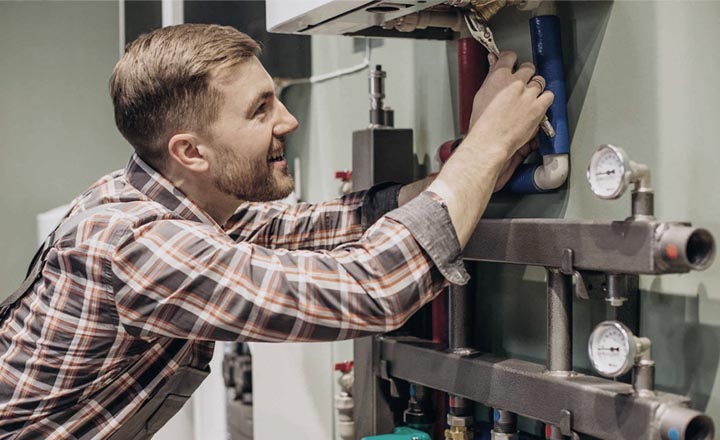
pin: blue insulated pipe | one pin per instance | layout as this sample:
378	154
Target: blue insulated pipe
547	56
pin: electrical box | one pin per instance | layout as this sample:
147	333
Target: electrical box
382	155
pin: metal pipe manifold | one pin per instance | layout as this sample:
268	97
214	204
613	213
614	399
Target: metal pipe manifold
680	246
681	423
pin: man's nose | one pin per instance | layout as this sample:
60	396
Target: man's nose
286	121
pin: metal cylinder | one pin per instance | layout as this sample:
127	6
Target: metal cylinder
459	339
684	247
643	377
617	288
459	407
388	117
459	313
680	423
377	94
643	204
504	422
559	322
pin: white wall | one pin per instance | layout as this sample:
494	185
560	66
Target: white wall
294	384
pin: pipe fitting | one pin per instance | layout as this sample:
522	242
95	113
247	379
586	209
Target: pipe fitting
553	173
459	421
458	433
682	248
544	7
425	19
504	423
617	289
681	423
525	5
487	9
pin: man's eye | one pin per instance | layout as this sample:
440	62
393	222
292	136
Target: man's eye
261	109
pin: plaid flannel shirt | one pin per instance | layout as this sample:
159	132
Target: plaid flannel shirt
146	286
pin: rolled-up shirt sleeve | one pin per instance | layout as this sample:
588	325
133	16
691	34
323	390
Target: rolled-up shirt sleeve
427	218
316	226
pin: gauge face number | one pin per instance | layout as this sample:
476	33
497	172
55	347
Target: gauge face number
610	351
606	173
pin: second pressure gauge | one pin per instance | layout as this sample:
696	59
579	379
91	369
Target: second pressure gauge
609	172
612	349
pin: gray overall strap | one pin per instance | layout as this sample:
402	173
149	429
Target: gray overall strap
164	402
35	272
162	405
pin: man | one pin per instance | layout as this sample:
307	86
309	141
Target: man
156	261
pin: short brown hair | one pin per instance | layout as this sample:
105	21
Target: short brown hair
161	85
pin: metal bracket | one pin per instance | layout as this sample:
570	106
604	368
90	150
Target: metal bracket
567	261
566	423
590	284
385	375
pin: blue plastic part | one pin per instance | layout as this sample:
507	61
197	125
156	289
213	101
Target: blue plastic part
496	415
674	434
401	433
547	56
523	182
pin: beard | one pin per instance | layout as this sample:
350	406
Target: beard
252	180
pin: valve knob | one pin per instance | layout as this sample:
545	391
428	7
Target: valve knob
344	367
345	176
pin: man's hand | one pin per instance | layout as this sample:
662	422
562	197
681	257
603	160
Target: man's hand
496	112
507	111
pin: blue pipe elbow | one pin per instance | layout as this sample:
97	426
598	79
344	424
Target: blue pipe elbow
547	56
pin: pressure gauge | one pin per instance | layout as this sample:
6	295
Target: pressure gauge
612	349
609	172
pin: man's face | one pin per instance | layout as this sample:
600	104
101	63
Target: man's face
247	136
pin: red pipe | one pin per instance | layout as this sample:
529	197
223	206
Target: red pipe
472	70
473	67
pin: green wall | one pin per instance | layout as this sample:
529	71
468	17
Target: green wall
57	133
641	75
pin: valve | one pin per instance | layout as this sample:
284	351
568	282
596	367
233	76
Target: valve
346	178
344	404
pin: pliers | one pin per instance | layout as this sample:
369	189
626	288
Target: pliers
481	32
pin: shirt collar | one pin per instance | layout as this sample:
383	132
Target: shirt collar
151	183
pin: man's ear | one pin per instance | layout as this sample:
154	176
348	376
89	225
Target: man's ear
187	150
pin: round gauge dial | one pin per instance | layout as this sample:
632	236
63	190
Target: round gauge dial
612	349
607	172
